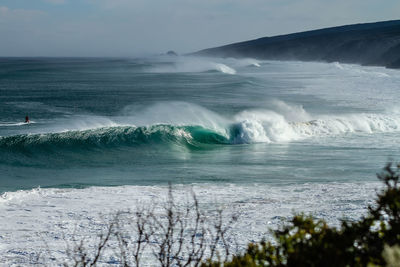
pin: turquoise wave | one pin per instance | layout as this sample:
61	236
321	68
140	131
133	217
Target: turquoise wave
113	137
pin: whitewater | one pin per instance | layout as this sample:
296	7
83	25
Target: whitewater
259	139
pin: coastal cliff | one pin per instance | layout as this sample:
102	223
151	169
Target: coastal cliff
375	44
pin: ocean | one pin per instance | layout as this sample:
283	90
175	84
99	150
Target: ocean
263	139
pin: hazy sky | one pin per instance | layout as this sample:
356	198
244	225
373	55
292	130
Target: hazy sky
134	27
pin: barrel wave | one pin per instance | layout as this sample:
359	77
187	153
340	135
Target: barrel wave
247	127
113	137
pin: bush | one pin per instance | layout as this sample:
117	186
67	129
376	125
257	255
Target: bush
171	235
372	241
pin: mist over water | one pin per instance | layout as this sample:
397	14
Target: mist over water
265	135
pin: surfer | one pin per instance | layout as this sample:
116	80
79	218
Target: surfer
27	119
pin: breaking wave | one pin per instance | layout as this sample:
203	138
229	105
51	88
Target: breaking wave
194	64
257	126
114	137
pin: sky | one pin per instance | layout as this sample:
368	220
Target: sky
141	27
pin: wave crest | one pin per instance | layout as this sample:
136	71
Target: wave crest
193	64
182	124
114	137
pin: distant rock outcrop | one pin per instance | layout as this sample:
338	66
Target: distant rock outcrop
172	53
366	44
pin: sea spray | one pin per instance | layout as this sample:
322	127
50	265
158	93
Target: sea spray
178	123
193	64
258	126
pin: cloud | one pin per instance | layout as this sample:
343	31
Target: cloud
4	10
10	15
55	2
132	27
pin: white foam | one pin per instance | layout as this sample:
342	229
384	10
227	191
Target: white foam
338	65
224	68
11	124
241	62
45	218
248	62
360	70
351	123
295	124
291	112
193	64
263	126
351	86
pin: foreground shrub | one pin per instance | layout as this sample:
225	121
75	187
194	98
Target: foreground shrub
170	235
372	241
